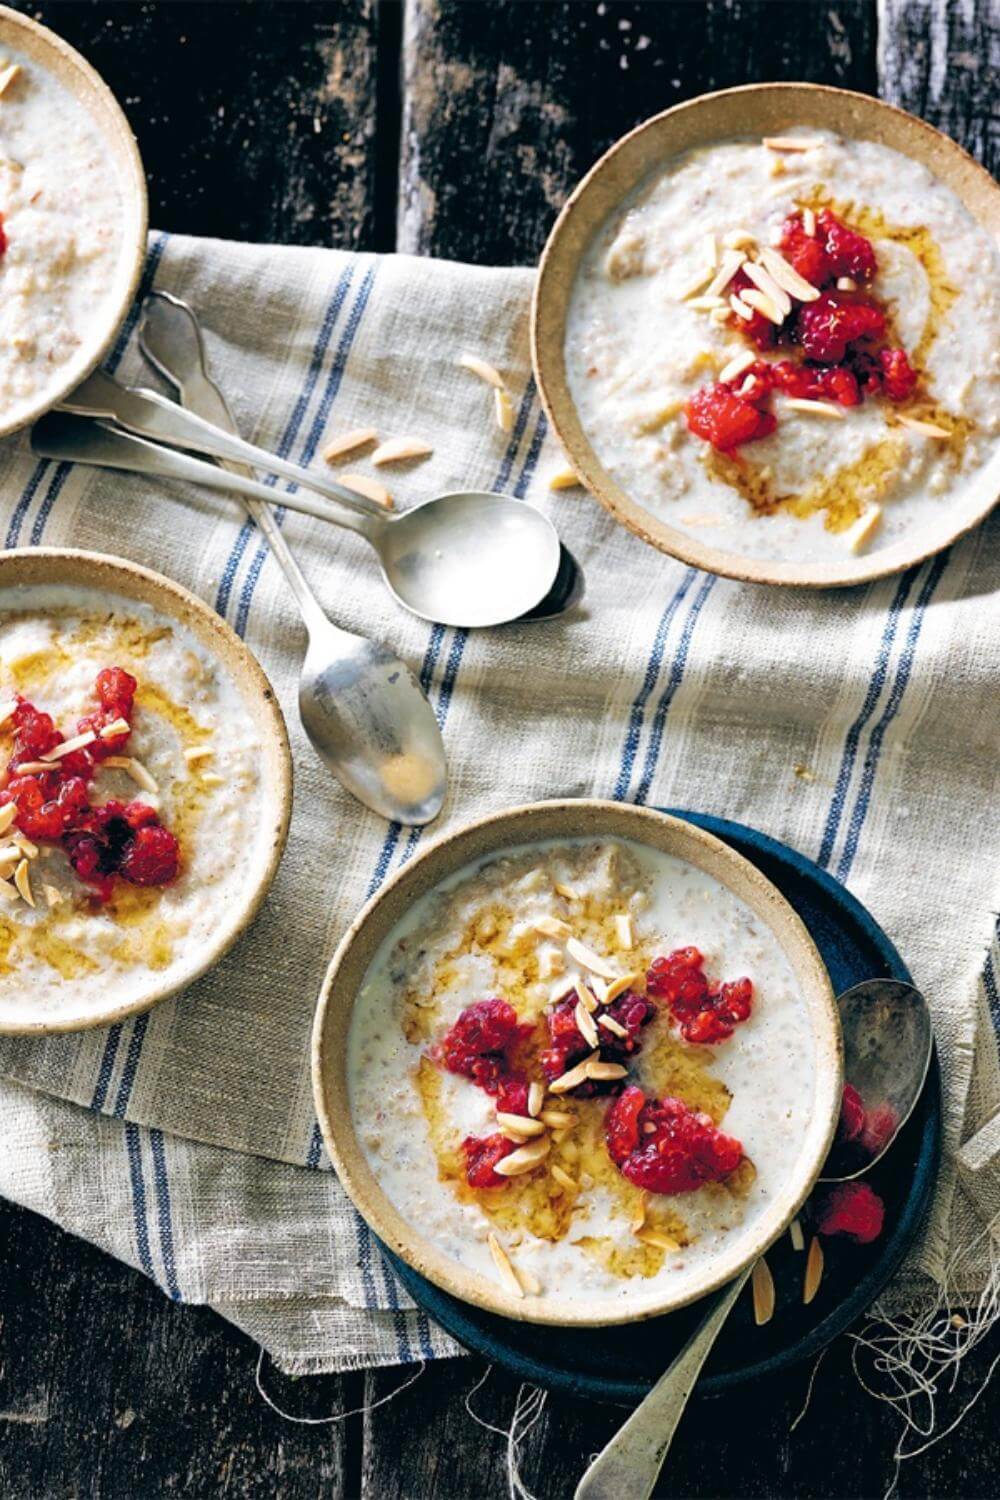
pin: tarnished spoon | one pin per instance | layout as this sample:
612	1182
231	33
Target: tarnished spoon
887	1051
361	706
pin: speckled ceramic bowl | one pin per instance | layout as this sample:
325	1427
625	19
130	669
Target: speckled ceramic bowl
755	110
63	63
114	576
521	825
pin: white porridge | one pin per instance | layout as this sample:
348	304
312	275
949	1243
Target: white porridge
652	320
185	763
573	1222
60	214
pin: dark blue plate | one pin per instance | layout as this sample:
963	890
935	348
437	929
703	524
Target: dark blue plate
620	1364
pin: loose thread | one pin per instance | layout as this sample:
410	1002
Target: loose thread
809	1389
340	1416
528	1409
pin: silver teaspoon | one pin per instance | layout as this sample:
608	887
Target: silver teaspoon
361	707
888	1040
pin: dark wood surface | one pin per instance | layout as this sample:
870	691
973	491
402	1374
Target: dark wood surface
452	129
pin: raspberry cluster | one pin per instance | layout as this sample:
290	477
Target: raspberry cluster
568	1046
665	1147
705	1012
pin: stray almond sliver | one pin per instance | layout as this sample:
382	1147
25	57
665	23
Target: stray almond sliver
610	1024
573	1078
34	767
482	369
814	1271
640	1213
22	880
605	1071
7	815
568	892
658	1239
867	523
787	277
370	489
505	1270
503	409
788	143
796	1235
198	752
557	1119
588	959
524	1158
564	1179
565	479
52	896
929	429
349	442
626	982
737	365
113	730
762	1283
585	1025
623	929
8	75
731	262
536	1098
809	222
765	282
553	927
78	742
753	297
586	999
519	1124
397	450
816	408
8	891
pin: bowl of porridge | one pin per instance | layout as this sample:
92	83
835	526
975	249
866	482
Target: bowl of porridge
766	330
72	219
145	789
578	1063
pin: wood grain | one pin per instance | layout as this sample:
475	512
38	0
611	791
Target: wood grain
942	62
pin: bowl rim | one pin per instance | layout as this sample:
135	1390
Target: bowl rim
547	334
512	827
132	581
64	63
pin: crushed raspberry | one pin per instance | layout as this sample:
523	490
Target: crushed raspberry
478	1044
123	839
150	857
723	419
35	734
4	241
847	252
854	1209
665	1147
758	329
705	1013
512	1095
816	382
827	326
879	1127
852	1115
804	252
569	1046
481	1155
899	378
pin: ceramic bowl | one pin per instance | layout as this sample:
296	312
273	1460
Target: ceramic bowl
492	835
752	111
114	576
23	35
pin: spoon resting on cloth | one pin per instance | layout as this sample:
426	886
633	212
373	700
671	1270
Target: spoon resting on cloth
887	1048
361	707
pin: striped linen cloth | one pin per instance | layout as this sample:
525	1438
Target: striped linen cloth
861	727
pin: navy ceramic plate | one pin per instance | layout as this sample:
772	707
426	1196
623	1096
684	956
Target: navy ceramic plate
620	1364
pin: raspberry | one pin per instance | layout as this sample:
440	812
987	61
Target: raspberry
477	1044
116	689
724	420
512	1095
705	1014
847	252
481	1155
569	1046
804	252
879	1126
816	382
665	1147
758	329
150	857
825	327
899	378
854	1209
852	1115
35	734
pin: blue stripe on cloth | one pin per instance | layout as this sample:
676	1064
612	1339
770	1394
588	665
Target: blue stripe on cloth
674	680
163	1214
291	429
127	1079
875	685
654	661
992	992
107	1067
893	703
315	1146
313	436
133	1146
153	257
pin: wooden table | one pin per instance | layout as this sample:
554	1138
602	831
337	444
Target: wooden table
448	129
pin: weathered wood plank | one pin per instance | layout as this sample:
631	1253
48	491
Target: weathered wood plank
506	106
942	62
256	118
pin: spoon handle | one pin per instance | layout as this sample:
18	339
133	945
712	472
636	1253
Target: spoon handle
628	1467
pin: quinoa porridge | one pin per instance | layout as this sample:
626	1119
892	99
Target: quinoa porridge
60	232
131	772
791	350
581	1068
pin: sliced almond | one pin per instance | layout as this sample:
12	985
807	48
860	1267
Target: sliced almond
573	1078
564	479
605	1071
762	1283
710	250
211	778
348	442
585	1025
519	1124
640	1213
796	1235
846	284
737	365
816	408
719	315
536	1098
529	1281
600	989
814	1271
610	1024
626	982
503	410
623	929
25	845
52	896
482	369
864	527
765	282
22	879
588	959
705	303
553	927
504	1268
370	489
740	308
788	143
929	429
754	298
658	1239
398	450
568	892
739	239
7	891
78	742
551	964
8	75
809	222
564	1179
695	282
728	266
524	1159
7	710
559	992
34	767
787	277
557	1119
8	812
198	752
135	769
586	998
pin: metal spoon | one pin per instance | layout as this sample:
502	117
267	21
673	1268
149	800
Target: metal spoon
470	559
361	707
888	1039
